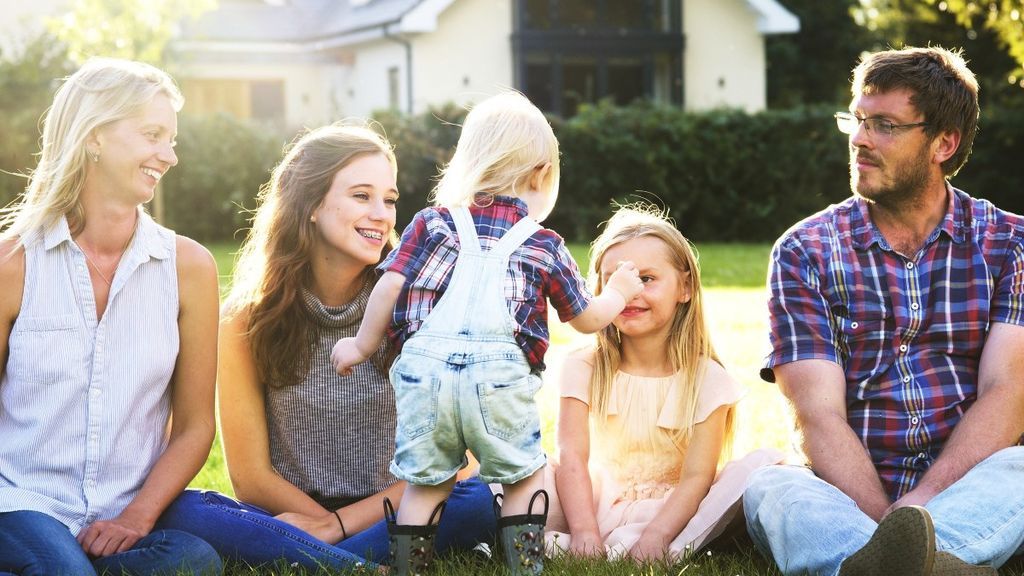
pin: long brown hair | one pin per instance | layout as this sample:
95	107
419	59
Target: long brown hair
274	261
689	341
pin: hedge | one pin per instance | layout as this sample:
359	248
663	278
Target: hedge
725	175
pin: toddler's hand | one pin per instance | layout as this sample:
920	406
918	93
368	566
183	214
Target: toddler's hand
345	355
626	281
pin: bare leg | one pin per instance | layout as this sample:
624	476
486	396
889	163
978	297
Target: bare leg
517	496
419	502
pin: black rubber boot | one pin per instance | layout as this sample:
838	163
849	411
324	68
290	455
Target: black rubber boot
521	538
411	547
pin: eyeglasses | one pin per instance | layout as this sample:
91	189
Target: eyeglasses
848	124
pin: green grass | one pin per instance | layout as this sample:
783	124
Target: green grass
733	278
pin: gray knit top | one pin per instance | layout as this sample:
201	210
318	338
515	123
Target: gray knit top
334	437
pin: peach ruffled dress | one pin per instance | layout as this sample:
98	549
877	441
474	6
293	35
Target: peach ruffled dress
635	464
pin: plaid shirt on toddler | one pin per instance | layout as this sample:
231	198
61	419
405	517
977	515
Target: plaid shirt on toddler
908	332
540	270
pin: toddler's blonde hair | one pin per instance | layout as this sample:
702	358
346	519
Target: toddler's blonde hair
504	139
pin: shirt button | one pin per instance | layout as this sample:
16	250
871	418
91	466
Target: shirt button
903	347
914	306
94	436
906	380
921	455
92	483
910	265
854	324
914	420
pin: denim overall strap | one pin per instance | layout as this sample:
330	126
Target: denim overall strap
474	302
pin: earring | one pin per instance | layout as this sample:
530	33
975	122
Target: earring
95	156
312	219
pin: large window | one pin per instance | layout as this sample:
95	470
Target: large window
568	52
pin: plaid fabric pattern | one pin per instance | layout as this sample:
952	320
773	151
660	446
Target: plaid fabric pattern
540	270
908	332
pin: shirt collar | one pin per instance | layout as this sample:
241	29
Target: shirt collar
147	241
512	202
955	224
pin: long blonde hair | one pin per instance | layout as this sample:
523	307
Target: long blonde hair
274	261
102	91
689	341
503	140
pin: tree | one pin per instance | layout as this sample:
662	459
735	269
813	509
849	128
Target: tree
813	66
991	33
131	29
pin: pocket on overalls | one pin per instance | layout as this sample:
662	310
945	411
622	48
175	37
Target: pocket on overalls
508	408
416	402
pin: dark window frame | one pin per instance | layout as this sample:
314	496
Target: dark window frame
602	42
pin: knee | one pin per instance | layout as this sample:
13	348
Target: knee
773	486
193	553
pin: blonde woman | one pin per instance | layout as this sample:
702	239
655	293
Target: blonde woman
658	405
308	451
108	327
469	287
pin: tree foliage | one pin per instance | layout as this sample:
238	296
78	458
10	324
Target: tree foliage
999	22
131	29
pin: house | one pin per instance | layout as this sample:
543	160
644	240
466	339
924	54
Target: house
307	62
299	63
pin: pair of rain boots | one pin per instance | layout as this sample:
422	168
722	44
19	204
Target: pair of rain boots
521	539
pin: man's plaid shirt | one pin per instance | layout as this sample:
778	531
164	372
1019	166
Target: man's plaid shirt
908	332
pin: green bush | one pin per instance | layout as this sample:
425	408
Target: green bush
725	175
222	162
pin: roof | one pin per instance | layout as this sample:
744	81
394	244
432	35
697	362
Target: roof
293	26
774	18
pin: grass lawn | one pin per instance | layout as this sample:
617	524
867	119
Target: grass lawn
733	277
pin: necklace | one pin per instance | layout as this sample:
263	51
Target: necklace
123	250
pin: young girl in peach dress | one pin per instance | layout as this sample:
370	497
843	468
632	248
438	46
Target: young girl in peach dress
646	414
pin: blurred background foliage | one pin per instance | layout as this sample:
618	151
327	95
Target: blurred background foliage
726	175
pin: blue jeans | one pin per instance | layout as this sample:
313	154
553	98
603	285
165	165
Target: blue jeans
809	526
242	532
33	543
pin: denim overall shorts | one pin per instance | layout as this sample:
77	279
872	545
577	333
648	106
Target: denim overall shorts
462	381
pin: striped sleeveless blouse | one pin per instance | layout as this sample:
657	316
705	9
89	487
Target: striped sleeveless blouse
334	437
84	403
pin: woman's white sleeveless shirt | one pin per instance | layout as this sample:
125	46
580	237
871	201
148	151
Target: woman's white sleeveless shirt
85	404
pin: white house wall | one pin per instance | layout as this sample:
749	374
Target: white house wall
724	61
366	88
467	58
307	86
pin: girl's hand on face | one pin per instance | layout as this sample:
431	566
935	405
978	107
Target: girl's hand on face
626	280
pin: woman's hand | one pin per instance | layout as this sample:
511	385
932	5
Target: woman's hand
324	527
106	537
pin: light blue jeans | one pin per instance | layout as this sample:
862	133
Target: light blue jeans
809	526
36	544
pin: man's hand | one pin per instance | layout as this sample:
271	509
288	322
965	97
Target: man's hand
919	496
106	537
345	355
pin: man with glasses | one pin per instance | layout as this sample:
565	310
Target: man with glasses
897	332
